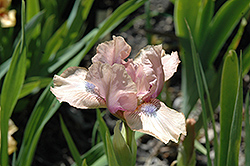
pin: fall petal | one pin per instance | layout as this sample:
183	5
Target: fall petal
113	51
71	87
115	85
156	119
170	64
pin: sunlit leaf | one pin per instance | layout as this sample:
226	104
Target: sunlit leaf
11	88
229	87
236	124
76	155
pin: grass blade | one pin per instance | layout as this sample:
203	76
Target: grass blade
31	10
200	87
76	155
11	88
47	104
221	27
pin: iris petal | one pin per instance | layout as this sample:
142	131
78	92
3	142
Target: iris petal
113	51
170	64
156	119
115	85
150	60
72	87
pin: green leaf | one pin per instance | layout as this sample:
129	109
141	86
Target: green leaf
29	28
54	43
221	27
200	86
200	147
33	84
31	10
76	155
122	150
186	10
247	130
229	87
105	135
11	88
236	126
76	20
246	60
94	153
4	67
28	88
47	104
236	40
47	30
205	14
110	151
84	163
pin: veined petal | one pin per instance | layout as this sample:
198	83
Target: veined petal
115	85
71	87
170	64
113	51
156	119
150	59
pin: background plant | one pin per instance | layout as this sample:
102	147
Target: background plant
44	44
41	49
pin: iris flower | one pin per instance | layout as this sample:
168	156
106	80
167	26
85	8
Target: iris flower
127	88
7	18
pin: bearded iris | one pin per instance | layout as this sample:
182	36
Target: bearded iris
127	88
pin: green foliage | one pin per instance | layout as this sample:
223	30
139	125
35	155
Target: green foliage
11	88
105	135
122	150
46	45
229	83
202	33
210	32
76	155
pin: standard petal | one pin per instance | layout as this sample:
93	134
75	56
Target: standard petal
150	59
156	119
113	51
170	64
115	85
71	87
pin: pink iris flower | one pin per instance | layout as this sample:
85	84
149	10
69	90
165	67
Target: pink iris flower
127	88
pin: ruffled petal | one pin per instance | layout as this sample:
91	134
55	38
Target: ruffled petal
156	119
113	51
115	85
170	64
71	87
150	59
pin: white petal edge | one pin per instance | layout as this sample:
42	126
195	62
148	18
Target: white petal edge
71	87
156	119
170	64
